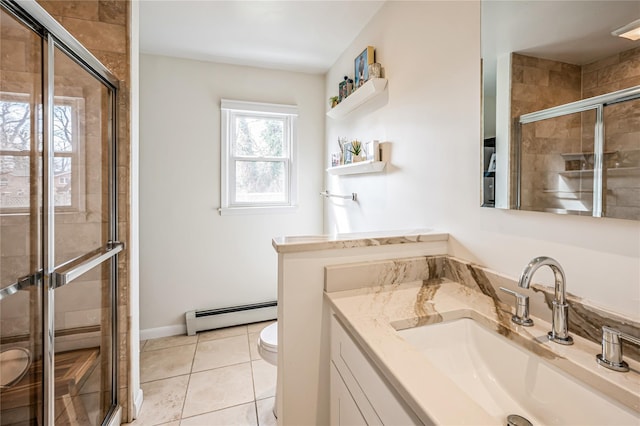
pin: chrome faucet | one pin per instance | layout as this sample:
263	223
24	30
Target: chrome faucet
560	318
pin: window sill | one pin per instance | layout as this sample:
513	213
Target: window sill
229	211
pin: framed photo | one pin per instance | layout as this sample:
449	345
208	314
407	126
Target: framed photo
342	91
336	157
372	150
361	64
492	163
348	155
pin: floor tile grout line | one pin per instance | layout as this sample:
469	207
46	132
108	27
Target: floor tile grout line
253	381
219	409
168	347
186	391
164	378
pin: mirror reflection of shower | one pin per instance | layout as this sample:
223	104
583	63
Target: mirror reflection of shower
529	68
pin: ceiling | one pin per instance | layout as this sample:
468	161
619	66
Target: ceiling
303	35
309	36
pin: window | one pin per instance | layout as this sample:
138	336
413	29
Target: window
258	153
16	154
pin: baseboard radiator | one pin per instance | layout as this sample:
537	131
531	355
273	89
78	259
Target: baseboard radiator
210	319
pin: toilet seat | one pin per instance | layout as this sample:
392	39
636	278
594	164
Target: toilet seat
269	338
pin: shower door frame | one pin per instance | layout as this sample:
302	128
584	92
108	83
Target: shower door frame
54	35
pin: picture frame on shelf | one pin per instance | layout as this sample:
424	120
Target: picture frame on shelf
336	159
372	150
342	90
492	163
361	65
347	153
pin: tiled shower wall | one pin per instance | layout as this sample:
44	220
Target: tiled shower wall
102	26
538	84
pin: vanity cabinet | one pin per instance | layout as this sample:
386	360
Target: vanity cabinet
359	394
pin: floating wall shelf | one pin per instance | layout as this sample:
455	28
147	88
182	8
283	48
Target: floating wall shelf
358	168
363	94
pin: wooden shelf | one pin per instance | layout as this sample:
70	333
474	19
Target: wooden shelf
358	168
363	94
611	171
569	156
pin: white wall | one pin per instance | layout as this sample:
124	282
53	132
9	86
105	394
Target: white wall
190	256
431	115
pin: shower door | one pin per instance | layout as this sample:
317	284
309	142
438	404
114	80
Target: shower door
21	244
58	258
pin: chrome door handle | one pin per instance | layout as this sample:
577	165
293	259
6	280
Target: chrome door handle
71	270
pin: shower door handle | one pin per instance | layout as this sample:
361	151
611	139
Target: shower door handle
71	270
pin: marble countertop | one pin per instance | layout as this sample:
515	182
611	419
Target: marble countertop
373	315
293	244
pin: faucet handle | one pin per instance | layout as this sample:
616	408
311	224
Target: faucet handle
521	316
611	356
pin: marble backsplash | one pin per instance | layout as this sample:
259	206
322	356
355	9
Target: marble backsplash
585	320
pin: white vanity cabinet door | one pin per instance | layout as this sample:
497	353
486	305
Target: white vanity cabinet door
344	411
366	384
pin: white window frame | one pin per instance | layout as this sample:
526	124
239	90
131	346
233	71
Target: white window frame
230	110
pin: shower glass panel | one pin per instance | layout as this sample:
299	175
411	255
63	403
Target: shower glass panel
58	215
556	164
621	168
21	318
83	309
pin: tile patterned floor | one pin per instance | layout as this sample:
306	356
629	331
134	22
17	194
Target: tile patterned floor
213	378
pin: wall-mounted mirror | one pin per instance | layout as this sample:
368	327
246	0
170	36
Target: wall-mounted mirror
561	107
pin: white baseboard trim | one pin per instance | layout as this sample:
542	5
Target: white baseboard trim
138	398
169	330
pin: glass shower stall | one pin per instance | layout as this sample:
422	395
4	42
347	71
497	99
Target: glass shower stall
58	225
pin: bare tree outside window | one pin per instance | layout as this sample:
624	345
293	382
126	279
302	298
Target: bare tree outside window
258	139
15	151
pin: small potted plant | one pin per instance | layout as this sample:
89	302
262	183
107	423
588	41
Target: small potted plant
356	150
333	101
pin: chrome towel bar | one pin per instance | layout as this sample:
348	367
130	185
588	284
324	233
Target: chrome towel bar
327	194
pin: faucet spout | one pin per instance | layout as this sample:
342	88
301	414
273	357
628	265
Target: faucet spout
560	318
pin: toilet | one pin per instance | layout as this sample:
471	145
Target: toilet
268	350
268	344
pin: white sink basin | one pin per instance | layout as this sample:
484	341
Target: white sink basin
505	379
